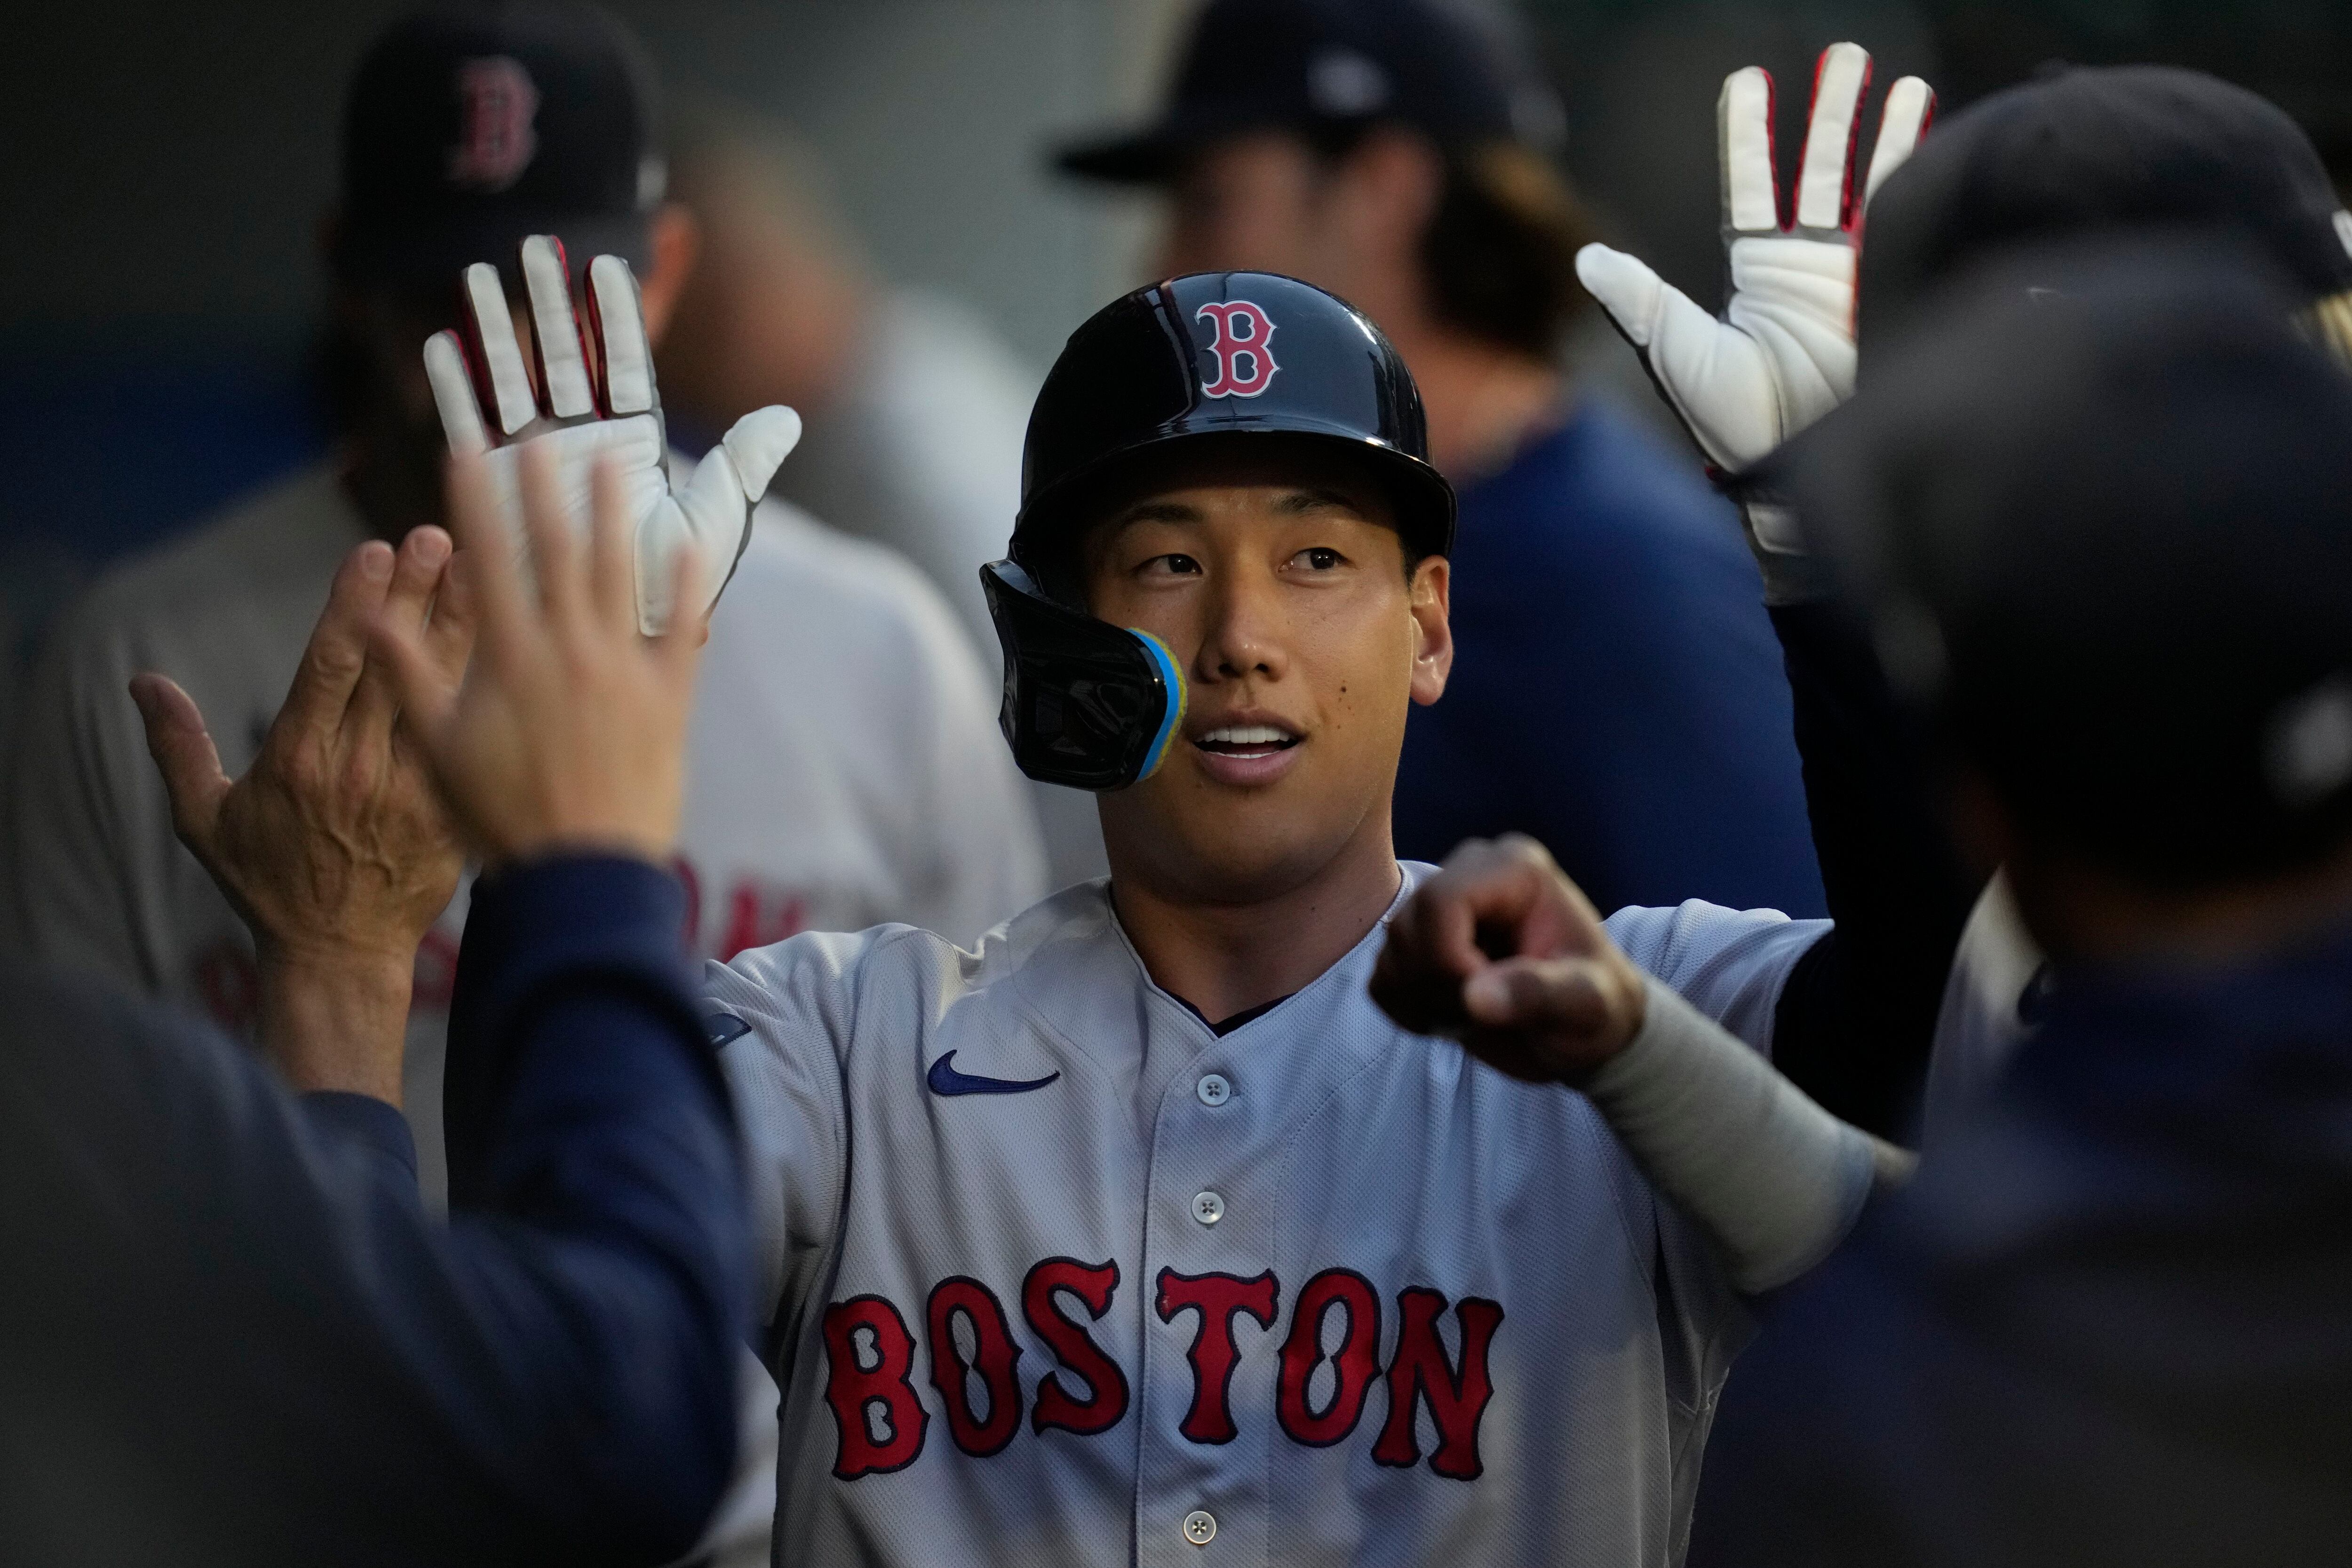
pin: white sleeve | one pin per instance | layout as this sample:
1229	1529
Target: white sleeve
1728	964
1978	1026
1772	1179
781	1019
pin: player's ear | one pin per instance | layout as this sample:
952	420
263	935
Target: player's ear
1433	660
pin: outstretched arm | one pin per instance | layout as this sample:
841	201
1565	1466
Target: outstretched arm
334	847
1857	1016
1502	951
570	1347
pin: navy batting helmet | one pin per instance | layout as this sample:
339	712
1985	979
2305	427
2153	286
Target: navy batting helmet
1213	357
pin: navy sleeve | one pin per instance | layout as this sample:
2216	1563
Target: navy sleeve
366	1124
592	1143
1857	1015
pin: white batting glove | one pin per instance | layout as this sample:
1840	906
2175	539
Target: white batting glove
609	409
1782	355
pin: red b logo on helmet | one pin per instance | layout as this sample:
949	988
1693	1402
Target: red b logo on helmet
1244	366
496	139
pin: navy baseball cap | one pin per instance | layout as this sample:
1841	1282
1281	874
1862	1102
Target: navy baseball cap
467	129
2099	506
1331	66
2082	152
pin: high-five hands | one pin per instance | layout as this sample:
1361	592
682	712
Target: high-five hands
334	847
594	398
1783	353
1502	951
567	732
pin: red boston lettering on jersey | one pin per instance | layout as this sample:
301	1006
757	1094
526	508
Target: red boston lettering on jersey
757	916
873	1401
1421	1372
1244	367
1217	1298
1353	1366
1105	1399
993	1359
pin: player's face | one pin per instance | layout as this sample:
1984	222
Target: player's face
1279	584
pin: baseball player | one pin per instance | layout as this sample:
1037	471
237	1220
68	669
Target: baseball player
872	790
1398	153
1140	1232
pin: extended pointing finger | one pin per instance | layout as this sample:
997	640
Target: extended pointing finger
478	521
1743	116
555	551
1910	108
336	656
185	754
452	394
562	367
416	574
1825	178
449	635
502	350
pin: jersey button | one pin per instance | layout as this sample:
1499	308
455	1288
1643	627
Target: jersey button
1208	1207
1213	1089
1199	1527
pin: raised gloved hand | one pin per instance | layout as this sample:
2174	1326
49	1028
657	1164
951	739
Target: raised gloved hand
1782	355
581	409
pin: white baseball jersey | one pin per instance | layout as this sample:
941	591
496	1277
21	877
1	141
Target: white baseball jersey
844	765
1981	1022
1056	1273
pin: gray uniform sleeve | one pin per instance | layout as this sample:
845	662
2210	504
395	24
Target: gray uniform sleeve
1773	1180
1729	965
82	803
782	1018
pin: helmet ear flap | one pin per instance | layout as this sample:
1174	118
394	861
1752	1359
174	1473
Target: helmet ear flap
1086	704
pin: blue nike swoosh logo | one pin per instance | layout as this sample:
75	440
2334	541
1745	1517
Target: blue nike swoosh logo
944	1079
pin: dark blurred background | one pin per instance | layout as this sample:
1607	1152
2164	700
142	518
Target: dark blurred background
167	167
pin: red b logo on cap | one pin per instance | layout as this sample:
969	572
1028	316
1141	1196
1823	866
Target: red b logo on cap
495	105
1244	366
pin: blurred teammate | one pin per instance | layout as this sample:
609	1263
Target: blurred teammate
2160	151
843	767
2105	1325
1617	691
914	407
232	1334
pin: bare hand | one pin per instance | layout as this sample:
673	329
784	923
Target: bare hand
568	730
1502	951
334	848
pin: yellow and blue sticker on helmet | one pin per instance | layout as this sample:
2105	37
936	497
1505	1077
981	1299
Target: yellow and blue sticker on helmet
1171	678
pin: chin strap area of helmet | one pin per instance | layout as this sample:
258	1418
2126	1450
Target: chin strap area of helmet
1086	704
